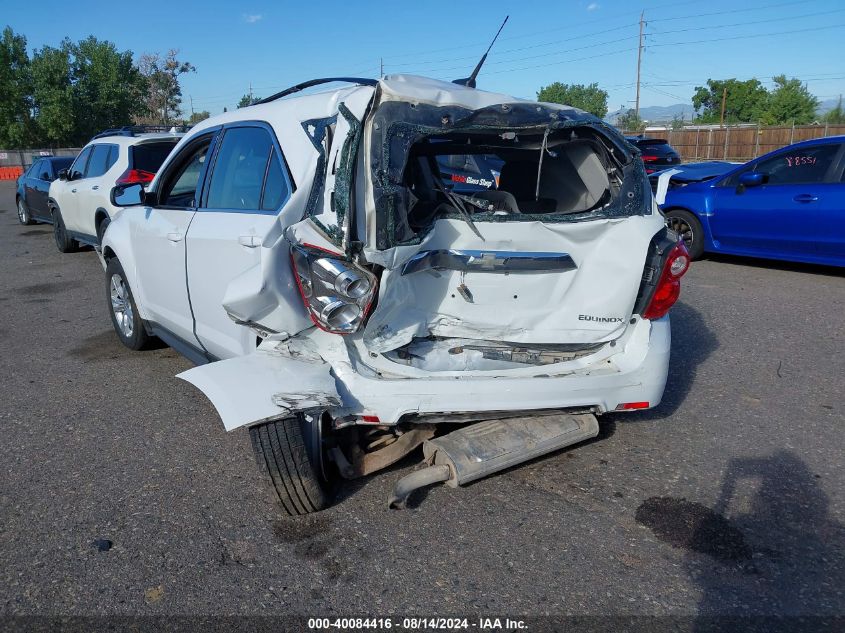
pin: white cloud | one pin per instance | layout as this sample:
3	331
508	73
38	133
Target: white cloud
593	6
252	18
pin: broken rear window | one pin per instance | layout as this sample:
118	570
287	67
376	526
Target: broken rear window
486	167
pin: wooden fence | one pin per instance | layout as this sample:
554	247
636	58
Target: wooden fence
739	143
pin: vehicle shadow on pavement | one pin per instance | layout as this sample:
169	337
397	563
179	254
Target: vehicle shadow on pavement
776	264
785	556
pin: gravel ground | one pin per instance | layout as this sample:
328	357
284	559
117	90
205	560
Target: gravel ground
122	494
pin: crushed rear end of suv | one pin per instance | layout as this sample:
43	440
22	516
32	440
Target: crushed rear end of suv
488	325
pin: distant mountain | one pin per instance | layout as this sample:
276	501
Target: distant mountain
658	114
827	105
665	114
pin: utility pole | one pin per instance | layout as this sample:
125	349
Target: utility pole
250	93
724	101
380	67
191	97
639	64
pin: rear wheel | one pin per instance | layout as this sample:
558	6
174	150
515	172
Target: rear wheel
124	313
290	453
23	213
64	242
688	227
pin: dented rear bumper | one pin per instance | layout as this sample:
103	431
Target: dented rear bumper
317	372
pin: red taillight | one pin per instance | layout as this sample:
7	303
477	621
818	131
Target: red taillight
133	176
669	286
649	159
630	406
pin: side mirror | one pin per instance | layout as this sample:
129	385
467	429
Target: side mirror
63	174
752	179
45	176
128	195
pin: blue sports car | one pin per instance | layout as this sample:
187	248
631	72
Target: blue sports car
788	204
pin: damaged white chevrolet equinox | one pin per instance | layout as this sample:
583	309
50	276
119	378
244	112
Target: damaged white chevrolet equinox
342	299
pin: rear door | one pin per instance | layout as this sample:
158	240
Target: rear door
248	186
92	191
35	188
158	236
783	217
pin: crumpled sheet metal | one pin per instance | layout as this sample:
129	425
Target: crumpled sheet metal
264	385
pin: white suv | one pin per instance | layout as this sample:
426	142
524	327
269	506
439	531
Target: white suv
342	301
79	199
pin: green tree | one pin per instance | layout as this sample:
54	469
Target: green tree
835	115
789	102
248	100
106	86
196	117
745	102
630	121
590	98
163	95
16	125
82	88
52	91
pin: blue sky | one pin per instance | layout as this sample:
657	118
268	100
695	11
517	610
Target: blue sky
277	44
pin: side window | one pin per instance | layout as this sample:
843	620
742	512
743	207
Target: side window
799	166
34	170
114	152
238	175
45	171
276	187
179	186
77	170
99	163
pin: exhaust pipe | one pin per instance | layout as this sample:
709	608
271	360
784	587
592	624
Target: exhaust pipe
481	449
416	480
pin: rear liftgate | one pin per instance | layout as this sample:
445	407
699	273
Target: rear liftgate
481	449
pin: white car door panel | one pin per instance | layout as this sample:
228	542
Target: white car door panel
221	247
66	192
247	187
159	245
159	236
94	188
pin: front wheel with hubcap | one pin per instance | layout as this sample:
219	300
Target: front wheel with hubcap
23	213
688	227
124	313
290	451
64	242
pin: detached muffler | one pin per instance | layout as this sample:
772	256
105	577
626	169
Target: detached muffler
481	449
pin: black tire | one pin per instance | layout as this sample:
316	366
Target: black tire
689	228
296	473
101	229
125	319
24	216
64	242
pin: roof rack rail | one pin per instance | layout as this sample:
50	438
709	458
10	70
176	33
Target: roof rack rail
135	130
316	82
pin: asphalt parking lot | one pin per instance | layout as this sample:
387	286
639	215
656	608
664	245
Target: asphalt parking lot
727	499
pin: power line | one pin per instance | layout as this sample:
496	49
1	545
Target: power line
523	48
704	15
745	37
726	26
